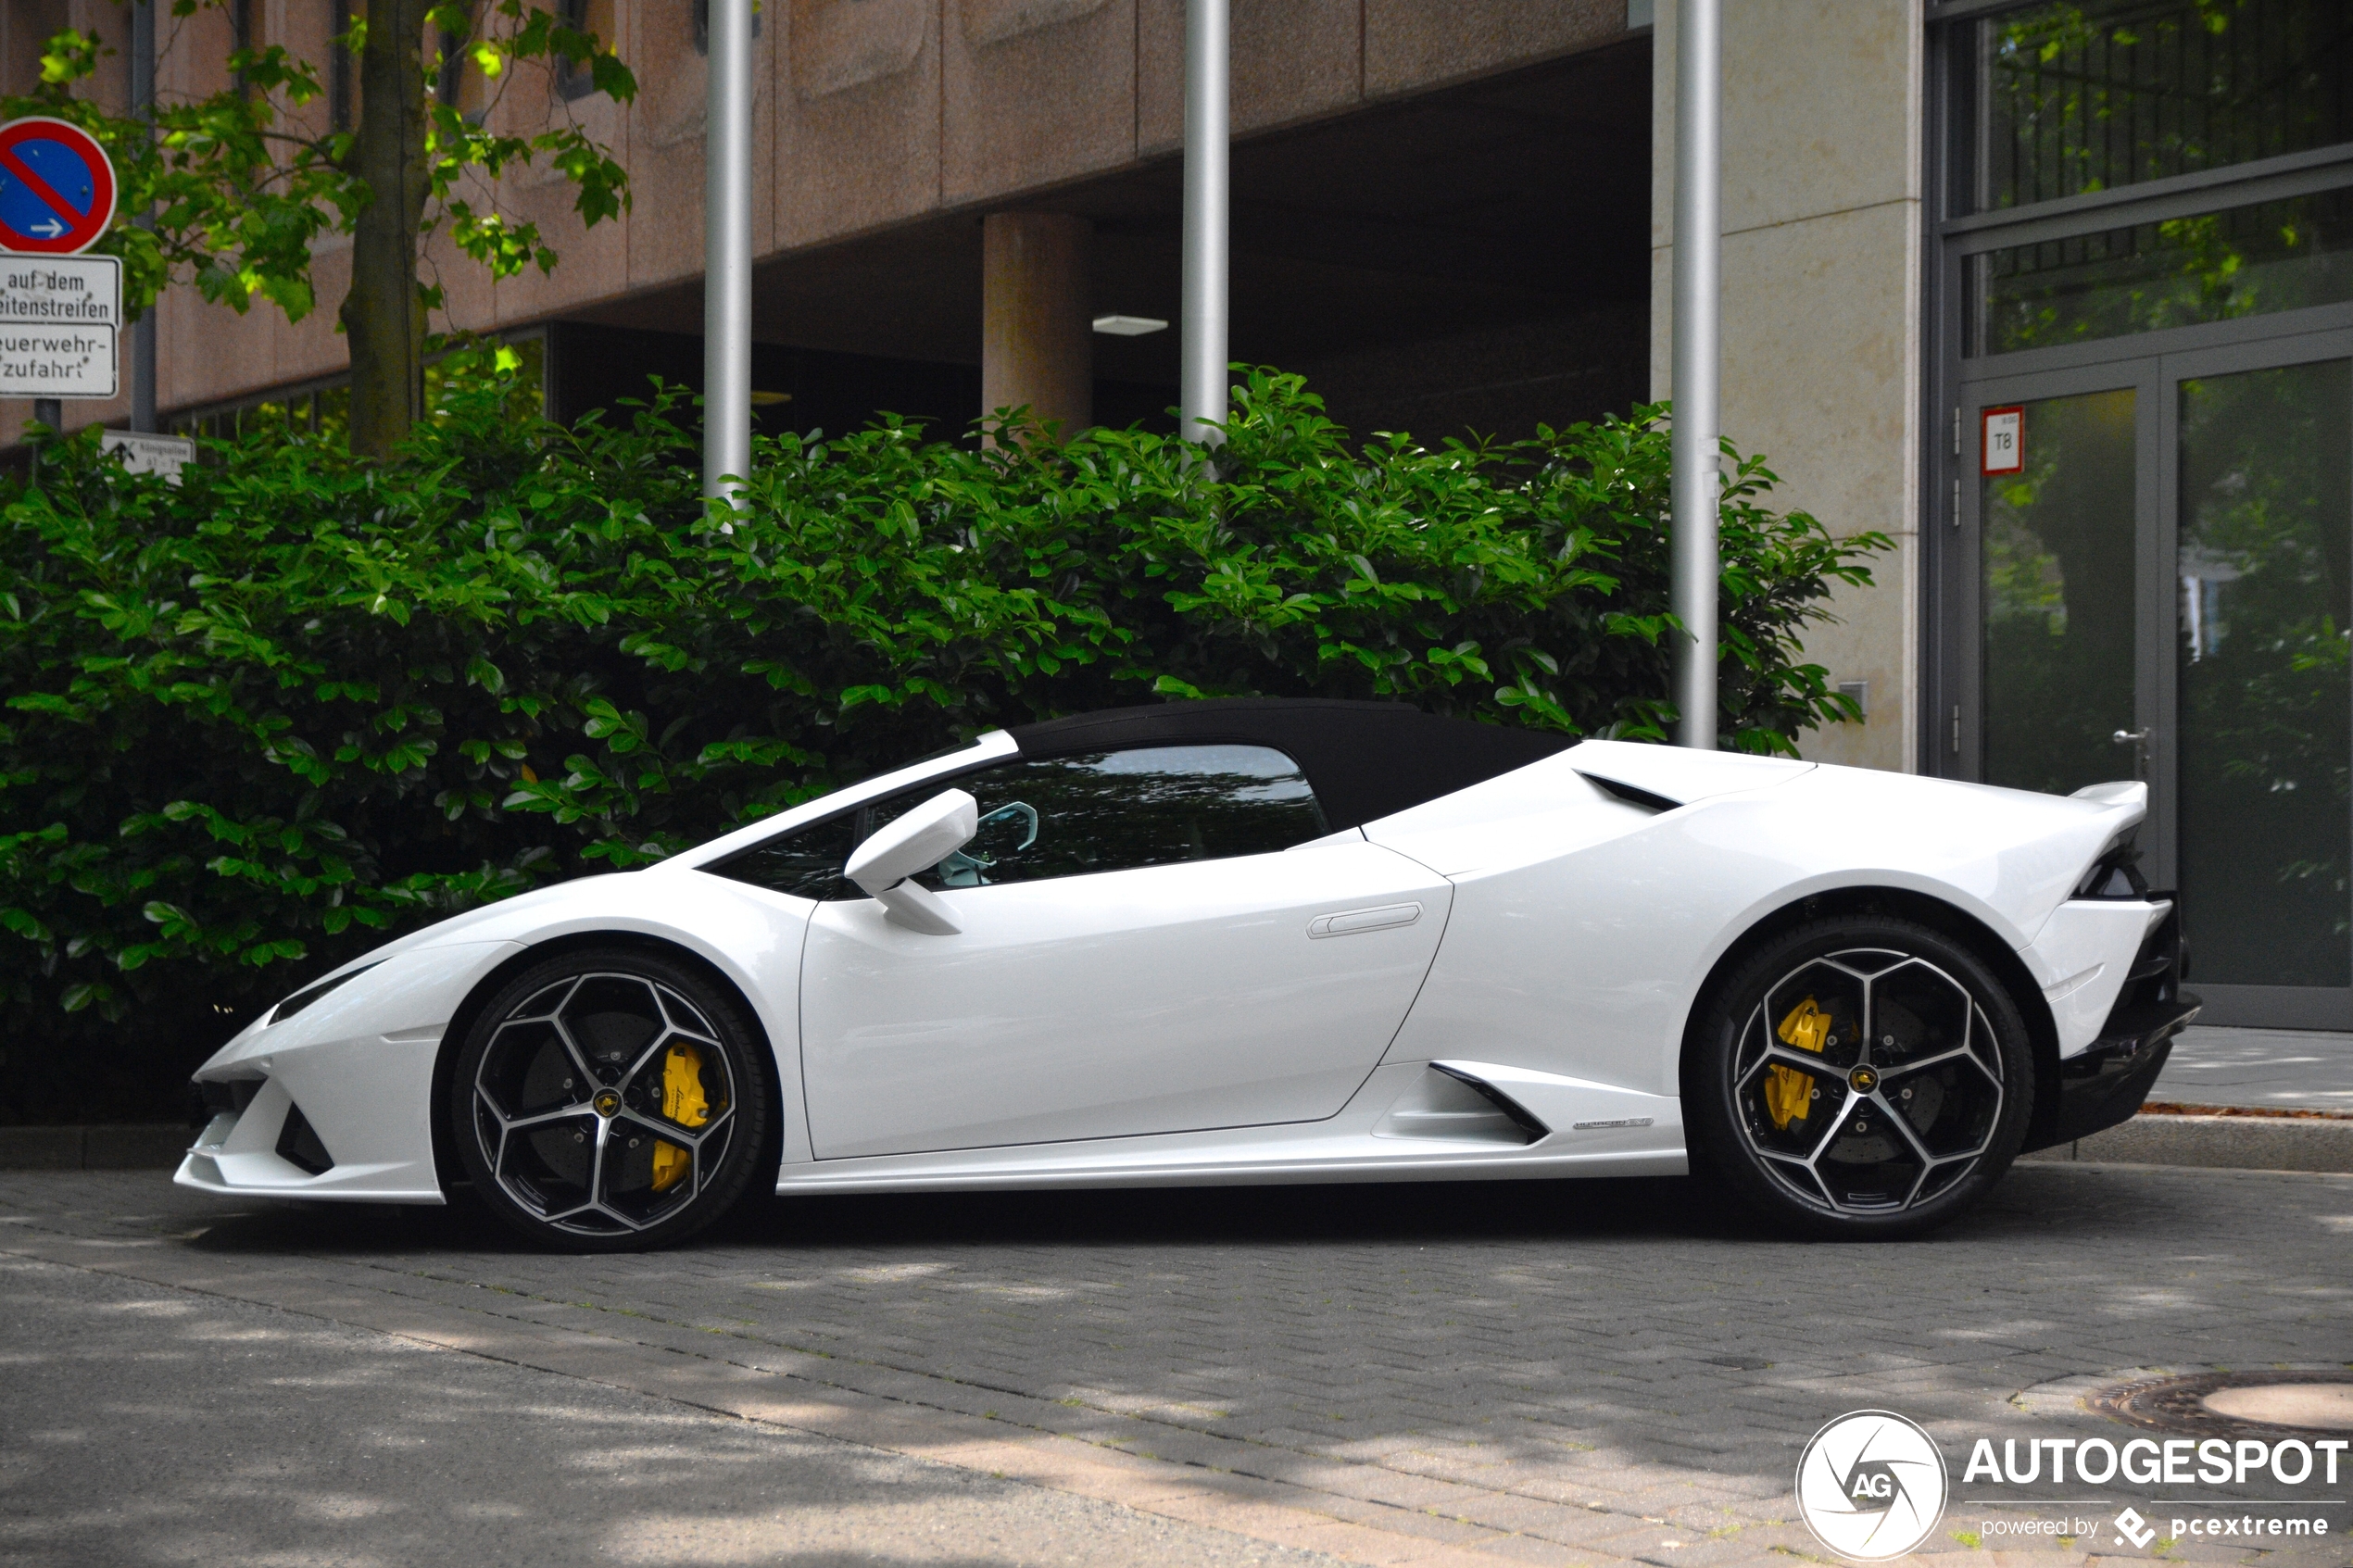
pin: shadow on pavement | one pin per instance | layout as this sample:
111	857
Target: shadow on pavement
145	1426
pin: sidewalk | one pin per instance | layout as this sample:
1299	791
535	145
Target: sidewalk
2250	1100
2263	1069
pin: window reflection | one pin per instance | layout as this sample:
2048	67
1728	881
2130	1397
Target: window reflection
2059	540
1118	811
2266	570
1069	816
2212	267
2087	95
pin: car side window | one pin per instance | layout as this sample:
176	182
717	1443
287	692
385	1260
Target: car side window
1069	816
1116	810
806	862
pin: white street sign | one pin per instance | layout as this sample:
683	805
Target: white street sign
60	324
166	454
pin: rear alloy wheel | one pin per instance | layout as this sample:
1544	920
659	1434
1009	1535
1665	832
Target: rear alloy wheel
609	1100
1861	1076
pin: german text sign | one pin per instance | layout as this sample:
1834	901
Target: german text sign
60	318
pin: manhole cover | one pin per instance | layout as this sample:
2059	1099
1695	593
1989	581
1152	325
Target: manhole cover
2234	1404
2321	1406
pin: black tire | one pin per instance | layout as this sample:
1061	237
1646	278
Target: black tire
1907	1032
608	1100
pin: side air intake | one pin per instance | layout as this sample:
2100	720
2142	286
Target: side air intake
1450	1107
300	1146
1632	794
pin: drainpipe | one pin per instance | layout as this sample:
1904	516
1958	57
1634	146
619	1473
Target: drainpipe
1698	359
726	277
1202	397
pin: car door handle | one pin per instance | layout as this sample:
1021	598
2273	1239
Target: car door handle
1347	923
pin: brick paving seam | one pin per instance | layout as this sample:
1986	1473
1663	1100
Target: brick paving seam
2085	1308
1400	1518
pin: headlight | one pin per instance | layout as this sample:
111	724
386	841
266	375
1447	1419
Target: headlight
311	994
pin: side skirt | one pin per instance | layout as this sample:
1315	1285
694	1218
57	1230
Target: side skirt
1623	1133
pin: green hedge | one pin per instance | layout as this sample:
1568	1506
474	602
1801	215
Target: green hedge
257	721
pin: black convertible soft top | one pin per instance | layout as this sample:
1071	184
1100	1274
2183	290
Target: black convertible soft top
1364	759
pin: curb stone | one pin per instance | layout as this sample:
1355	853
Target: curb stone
2242	1143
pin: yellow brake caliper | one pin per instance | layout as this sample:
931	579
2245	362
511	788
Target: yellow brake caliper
1789	1094
683	1102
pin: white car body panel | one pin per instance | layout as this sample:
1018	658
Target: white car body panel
2074	958
358	1059
1584	927
1076	1007
1183	1023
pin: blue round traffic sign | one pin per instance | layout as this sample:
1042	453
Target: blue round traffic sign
56	187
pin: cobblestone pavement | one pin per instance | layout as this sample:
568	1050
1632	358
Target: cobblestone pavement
148	1424
1469	1373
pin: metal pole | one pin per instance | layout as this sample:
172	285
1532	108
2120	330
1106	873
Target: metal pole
1697	490
1203	395
727	283
142	98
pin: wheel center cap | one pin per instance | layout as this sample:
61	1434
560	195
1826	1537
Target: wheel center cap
1862	1081
608	1102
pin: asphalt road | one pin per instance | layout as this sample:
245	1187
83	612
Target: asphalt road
1574	1373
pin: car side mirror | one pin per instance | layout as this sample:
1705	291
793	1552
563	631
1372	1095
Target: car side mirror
917	841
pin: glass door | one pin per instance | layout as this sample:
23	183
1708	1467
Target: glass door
2164	590
2261	814
2057	515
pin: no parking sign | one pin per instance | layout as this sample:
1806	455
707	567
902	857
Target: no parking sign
56	187
60	314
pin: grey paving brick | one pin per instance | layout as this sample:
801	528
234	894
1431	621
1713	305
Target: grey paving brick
1634	1349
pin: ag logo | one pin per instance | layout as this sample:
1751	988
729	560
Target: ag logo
1870	1485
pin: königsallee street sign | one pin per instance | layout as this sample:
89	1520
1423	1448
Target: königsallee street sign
60	319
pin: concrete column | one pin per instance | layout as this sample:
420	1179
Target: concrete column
1821	309
1036	311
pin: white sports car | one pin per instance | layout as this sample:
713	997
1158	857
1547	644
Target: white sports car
1251	941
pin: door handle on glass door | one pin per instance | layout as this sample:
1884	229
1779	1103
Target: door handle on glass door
2139	741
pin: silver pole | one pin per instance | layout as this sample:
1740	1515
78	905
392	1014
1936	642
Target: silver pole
727	282
1202	396
1698	359
143	336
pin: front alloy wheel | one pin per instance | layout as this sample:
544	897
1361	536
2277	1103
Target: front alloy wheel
608	1100
1861	1076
